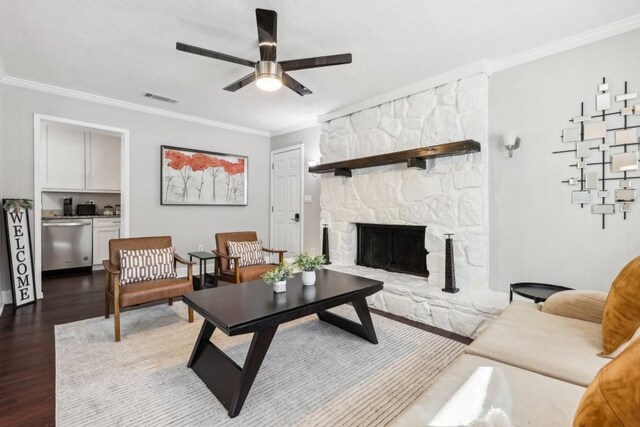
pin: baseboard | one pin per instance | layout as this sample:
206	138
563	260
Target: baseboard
6	297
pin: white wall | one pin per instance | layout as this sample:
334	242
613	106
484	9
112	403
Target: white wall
189	225
312	240
536	233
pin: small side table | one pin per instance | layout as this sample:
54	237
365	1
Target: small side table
204	277
538	292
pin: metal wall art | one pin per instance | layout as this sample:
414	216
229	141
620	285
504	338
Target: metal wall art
605	146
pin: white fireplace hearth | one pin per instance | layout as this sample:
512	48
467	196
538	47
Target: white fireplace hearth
466	313
449	196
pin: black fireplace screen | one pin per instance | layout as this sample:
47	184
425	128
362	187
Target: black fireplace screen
396	248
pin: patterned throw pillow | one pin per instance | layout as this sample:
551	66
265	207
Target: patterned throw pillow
146	264
250	253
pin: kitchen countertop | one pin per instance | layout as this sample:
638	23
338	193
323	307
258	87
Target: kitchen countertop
81	217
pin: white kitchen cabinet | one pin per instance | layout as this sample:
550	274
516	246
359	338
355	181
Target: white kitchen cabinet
104	229
102	162
63	157
73	159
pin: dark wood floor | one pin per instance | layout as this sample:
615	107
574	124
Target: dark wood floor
27	352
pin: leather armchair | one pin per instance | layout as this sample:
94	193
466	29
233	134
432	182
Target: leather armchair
140	292
239	274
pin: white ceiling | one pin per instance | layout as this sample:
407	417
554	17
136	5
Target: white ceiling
123	48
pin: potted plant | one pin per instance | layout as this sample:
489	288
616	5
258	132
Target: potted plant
278	277
309	264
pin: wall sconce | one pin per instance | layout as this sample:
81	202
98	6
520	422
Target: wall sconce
511	141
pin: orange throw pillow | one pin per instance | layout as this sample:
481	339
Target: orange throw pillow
613	398
621	316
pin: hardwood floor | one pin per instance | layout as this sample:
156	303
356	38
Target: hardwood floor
27	352
27	347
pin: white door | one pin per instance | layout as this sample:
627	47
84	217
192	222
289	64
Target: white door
103	162
286	209
63	157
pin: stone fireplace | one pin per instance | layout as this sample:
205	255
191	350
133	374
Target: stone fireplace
395	248
449	196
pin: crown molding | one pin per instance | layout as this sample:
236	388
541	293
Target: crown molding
410	89
599	33
70	93
294	128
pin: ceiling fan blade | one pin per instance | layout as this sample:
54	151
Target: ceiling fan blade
215	55
295	85
239	84
267	33
320	61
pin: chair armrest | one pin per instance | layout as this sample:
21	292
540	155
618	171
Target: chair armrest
111	268
274	251
182	260
579	304
221	255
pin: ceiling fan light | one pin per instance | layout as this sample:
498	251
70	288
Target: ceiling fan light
268	75
268	83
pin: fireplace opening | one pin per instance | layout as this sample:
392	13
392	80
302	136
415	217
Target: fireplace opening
395	248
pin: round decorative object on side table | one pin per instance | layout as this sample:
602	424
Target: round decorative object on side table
538	292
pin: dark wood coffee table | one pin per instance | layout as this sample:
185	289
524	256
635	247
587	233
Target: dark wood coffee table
253	307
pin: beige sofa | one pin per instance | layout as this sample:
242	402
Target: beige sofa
528	368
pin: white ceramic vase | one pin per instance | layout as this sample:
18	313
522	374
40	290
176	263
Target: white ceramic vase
308	278
280	286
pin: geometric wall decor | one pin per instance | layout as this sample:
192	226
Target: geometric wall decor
605	147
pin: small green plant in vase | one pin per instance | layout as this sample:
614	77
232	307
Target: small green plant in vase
278	277
309	264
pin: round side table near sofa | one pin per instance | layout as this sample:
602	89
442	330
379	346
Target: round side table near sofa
538	292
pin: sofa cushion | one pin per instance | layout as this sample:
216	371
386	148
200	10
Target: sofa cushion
556	346
474	388
250	253
613	398
250	273
583	305
146	264
153	290
622	310
623	347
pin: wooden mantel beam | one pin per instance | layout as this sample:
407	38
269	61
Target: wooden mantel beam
408	156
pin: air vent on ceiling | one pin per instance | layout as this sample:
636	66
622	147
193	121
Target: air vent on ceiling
160	98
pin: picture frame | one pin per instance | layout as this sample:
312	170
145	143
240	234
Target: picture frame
20	253
193	177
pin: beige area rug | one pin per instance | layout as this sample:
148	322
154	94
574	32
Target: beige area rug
313	375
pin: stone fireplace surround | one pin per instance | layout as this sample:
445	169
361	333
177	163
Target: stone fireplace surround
450	196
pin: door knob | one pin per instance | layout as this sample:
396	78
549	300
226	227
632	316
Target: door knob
296	217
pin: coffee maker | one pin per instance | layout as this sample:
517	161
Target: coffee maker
67	206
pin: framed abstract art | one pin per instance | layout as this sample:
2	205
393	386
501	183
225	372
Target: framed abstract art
197	177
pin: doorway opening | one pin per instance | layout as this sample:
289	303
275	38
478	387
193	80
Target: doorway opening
81	194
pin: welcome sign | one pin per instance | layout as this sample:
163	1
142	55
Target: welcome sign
20	257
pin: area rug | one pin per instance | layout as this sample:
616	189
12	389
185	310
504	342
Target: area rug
313	375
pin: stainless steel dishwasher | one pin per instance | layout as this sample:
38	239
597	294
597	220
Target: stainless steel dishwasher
66	243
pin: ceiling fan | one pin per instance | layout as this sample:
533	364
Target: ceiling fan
269	75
